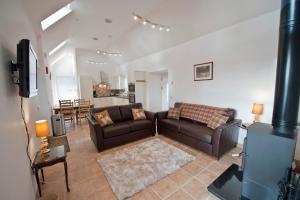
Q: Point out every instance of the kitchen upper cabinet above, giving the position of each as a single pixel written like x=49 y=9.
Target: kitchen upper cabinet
x=118 y=82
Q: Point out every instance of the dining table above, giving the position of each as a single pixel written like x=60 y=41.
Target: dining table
x=56 y=110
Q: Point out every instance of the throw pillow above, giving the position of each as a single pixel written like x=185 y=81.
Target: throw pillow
x=217 y=120
x=138 y=114
x=174 y=113
x=103 y=118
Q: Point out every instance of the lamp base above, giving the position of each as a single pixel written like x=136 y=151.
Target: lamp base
x=44 y=147
x=256 y=118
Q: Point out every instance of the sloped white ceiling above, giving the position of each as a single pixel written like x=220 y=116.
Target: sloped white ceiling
x=188 y=19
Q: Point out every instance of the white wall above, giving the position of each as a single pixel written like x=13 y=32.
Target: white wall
x=16 y=179
x=244 y=57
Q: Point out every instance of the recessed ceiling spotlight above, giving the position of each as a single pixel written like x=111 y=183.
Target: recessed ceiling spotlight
x=98 y=52
x=153 y=25
x=107 y=20
x=104 y=53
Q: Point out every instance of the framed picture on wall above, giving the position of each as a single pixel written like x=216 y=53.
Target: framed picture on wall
x=203 y=71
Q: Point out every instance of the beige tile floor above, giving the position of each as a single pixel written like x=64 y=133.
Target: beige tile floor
x=88 y=182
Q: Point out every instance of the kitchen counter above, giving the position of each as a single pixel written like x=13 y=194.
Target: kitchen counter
x=105 y=101
x=124 y=97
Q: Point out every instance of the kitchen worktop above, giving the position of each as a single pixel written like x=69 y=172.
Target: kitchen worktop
x=123 y=97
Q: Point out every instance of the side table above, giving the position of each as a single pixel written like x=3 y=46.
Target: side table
x=56 y=155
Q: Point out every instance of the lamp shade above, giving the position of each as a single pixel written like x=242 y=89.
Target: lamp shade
x=257 y=109
x=41 y=128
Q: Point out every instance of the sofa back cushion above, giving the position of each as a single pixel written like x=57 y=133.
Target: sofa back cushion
x=203 y=113
x=113 y=111
x=126 y=110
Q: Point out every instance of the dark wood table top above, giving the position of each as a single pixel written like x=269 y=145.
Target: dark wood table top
x=55 y=155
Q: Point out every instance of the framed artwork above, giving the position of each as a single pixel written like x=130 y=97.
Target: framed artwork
x=203 y=71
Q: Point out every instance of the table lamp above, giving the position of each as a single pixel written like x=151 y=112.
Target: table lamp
x=257 y=110
x=42 y=131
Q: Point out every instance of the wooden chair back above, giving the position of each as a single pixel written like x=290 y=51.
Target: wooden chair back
x=66 y=108
x=84 y=107
x=77 y=101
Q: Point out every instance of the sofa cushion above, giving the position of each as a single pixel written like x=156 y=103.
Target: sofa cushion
x=201 y=113
x=172 y=124
x=116 y=129
x=126 y=111
x=138 y=113
x=196 y=130
x=113 y=111
x=103 y=118
x=217 y=120
x=136 y=125
x=174 y=113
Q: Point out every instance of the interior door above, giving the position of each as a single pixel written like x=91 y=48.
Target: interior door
x=140 y=92
x=86 y=89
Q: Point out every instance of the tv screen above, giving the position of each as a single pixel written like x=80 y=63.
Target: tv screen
x=27 y=64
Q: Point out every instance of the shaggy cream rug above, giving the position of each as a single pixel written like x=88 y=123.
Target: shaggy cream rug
x=132 y=169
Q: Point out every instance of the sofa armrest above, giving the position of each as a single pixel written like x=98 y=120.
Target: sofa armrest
x=96 y=132
x=152 y=117
x=162 y=115
x=225 y=137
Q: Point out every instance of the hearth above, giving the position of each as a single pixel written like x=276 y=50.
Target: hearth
x=268 y=154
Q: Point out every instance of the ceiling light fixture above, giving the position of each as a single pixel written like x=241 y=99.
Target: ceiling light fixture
x=153 y=25
x=56 y=16
x=108 y=53
x=57 y=47
x=96 y=62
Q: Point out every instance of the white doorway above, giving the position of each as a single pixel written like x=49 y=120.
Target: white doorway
x=158 y=91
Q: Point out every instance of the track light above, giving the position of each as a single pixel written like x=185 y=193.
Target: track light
x=109 y=53
x=153 y=25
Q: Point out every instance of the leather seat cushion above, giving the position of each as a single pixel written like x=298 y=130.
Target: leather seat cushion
x=116 y=130
x=139 y=125
x=172 y=124
x=196 y=130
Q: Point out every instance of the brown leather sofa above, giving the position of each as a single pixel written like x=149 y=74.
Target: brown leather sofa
x=195 y=134
x=124 y=129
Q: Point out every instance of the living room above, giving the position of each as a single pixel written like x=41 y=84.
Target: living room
x=172 y=89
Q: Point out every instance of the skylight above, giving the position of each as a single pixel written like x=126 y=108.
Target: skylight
x=56 y=16
x=57 y=47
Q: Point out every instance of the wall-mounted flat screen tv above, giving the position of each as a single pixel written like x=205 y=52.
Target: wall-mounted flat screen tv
x=27 y=64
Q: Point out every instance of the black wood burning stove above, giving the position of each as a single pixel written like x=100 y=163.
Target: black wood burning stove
x=269 y=149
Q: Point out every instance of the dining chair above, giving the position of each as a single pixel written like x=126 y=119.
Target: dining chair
x=83 y=110
x=77 y=101
x=67 y=109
